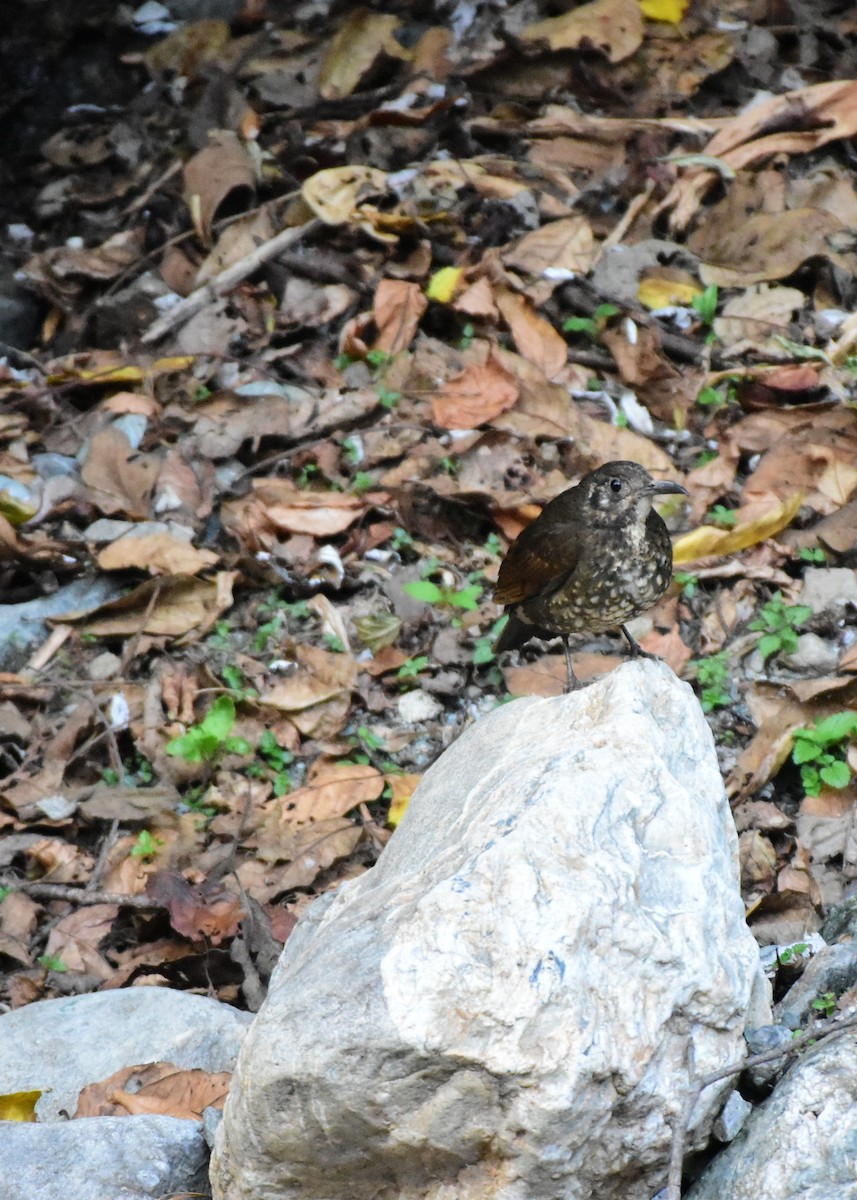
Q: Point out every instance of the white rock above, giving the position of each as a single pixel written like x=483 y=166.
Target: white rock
x=508 y=1003
x=59 y=1046
x=799 y=1145
x=103 y=1158
x=416 y=707
x=826 y=589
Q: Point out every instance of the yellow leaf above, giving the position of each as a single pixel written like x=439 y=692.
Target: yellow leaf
x=19 y=1106
x=661 y=292
x=707 y=540
x=402 y=787
x=444 y=283
x=664 y=10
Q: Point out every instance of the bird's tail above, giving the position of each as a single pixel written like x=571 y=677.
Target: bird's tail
x=515 y=633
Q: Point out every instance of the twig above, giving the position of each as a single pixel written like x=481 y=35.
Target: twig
x=76 y=895
x=821 y=1032
x=226 y=280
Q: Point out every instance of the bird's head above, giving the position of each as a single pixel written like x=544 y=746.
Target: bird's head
x=623 y=491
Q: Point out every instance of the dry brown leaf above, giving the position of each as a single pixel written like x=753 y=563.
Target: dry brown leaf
x=332 y=790
x=161 y=1088
x=398 y=309
x=221 y=170
x=322 y=675
x=478 y=394
x=567 y=244
x=335 y=193
x=119 y=479
x=754 y=318
x=364 y=39
x=165 y=607
x=158 y=553
x=235 y=242
x=75 y=939
x=615 y=27
x=212 y=913
x=305 y=850
x=276 y=505
x=768 y=246
x=536 y=338
x=758 y=861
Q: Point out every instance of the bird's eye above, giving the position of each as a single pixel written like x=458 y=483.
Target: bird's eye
x=616 y=485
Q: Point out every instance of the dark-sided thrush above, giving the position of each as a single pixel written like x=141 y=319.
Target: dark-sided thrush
x=595 y=557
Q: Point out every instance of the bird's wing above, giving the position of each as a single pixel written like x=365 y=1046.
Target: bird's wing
x=540 y=560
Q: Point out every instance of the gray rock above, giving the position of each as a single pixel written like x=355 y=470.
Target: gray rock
x=23 y=625
x=814 y=654
x=732 y=1118
x=104 y=1158
x=508 y=1003
x=833 y=969
x=828 y=589
x=801 y=1143
x=760 y=1041
x=60 y=1046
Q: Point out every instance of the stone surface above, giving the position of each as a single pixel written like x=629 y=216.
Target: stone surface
x=59 y=1046
x=506 y=1005
x=104 y=1158
x=832 y=969
x=801 y=1144
x=828 y=589
x=732 y=1118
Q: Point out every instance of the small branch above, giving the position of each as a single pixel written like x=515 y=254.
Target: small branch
x=226 y=281
x=820 y=1033
x=76 y=895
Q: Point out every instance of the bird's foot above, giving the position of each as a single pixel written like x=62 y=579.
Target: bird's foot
x=636 y=650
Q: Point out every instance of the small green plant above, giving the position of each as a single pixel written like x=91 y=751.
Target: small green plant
x=136 y=772
x=334 y=641
x=704 y=304
x=592 y=326
x=386 y=398
x=819 y=752
x=401 y=540
x=493 y=545
x=825 y=1004
x=411 y=667
x=812 y=554
x=233 y=677
x=720 y=515
x=483 y=649
x=468 y=333
x=146 y=846
x=210 y=738
x=711 y=397
x=307 y=473
x=277 y=760
x=704 y=457
x=221 y=635
x=713 y=676
x=343 y=361
x=790 y=953
x=4 y=892
x=51 y=962
x=620 y=420
x=688 y=582
x=449 y=465
x=778 y=623
x=466 y=598
x=362 y=482
x=353 y=451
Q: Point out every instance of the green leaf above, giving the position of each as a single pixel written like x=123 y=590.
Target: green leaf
x=220 y=718
x=425 y=590
x=467 y=598
x=798 y=613
x=811 y=781
x=835 y=728
x=579 y=325
x=769 y=644
x=837 y=775
x=805 y=749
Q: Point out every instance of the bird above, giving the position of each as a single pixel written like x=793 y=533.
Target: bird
x=596 y=556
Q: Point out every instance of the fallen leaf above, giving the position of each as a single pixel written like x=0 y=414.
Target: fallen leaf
x=615 y=27
x=158 y=553
x=19 y=1106
x=474 y=397
x=335 y=193
x=222 y=170
x=566 y=244
x=160 y=1088
x=708 y=539
x=536 y=338
x=212 y=913
x=402 y=788
x=361 y=41
x=118 y=478
x=170 y=606
x=398 y=309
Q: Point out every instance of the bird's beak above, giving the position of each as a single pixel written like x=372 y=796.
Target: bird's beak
x=665 y=487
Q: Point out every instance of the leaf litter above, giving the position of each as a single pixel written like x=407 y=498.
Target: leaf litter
x=328 y=307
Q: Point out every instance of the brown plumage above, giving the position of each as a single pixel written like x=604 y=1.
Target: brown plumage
x=595 y=557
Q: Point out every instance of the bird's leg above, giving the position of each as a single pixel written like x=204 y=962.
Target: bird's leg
x=573 y=682
x=635 y=648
